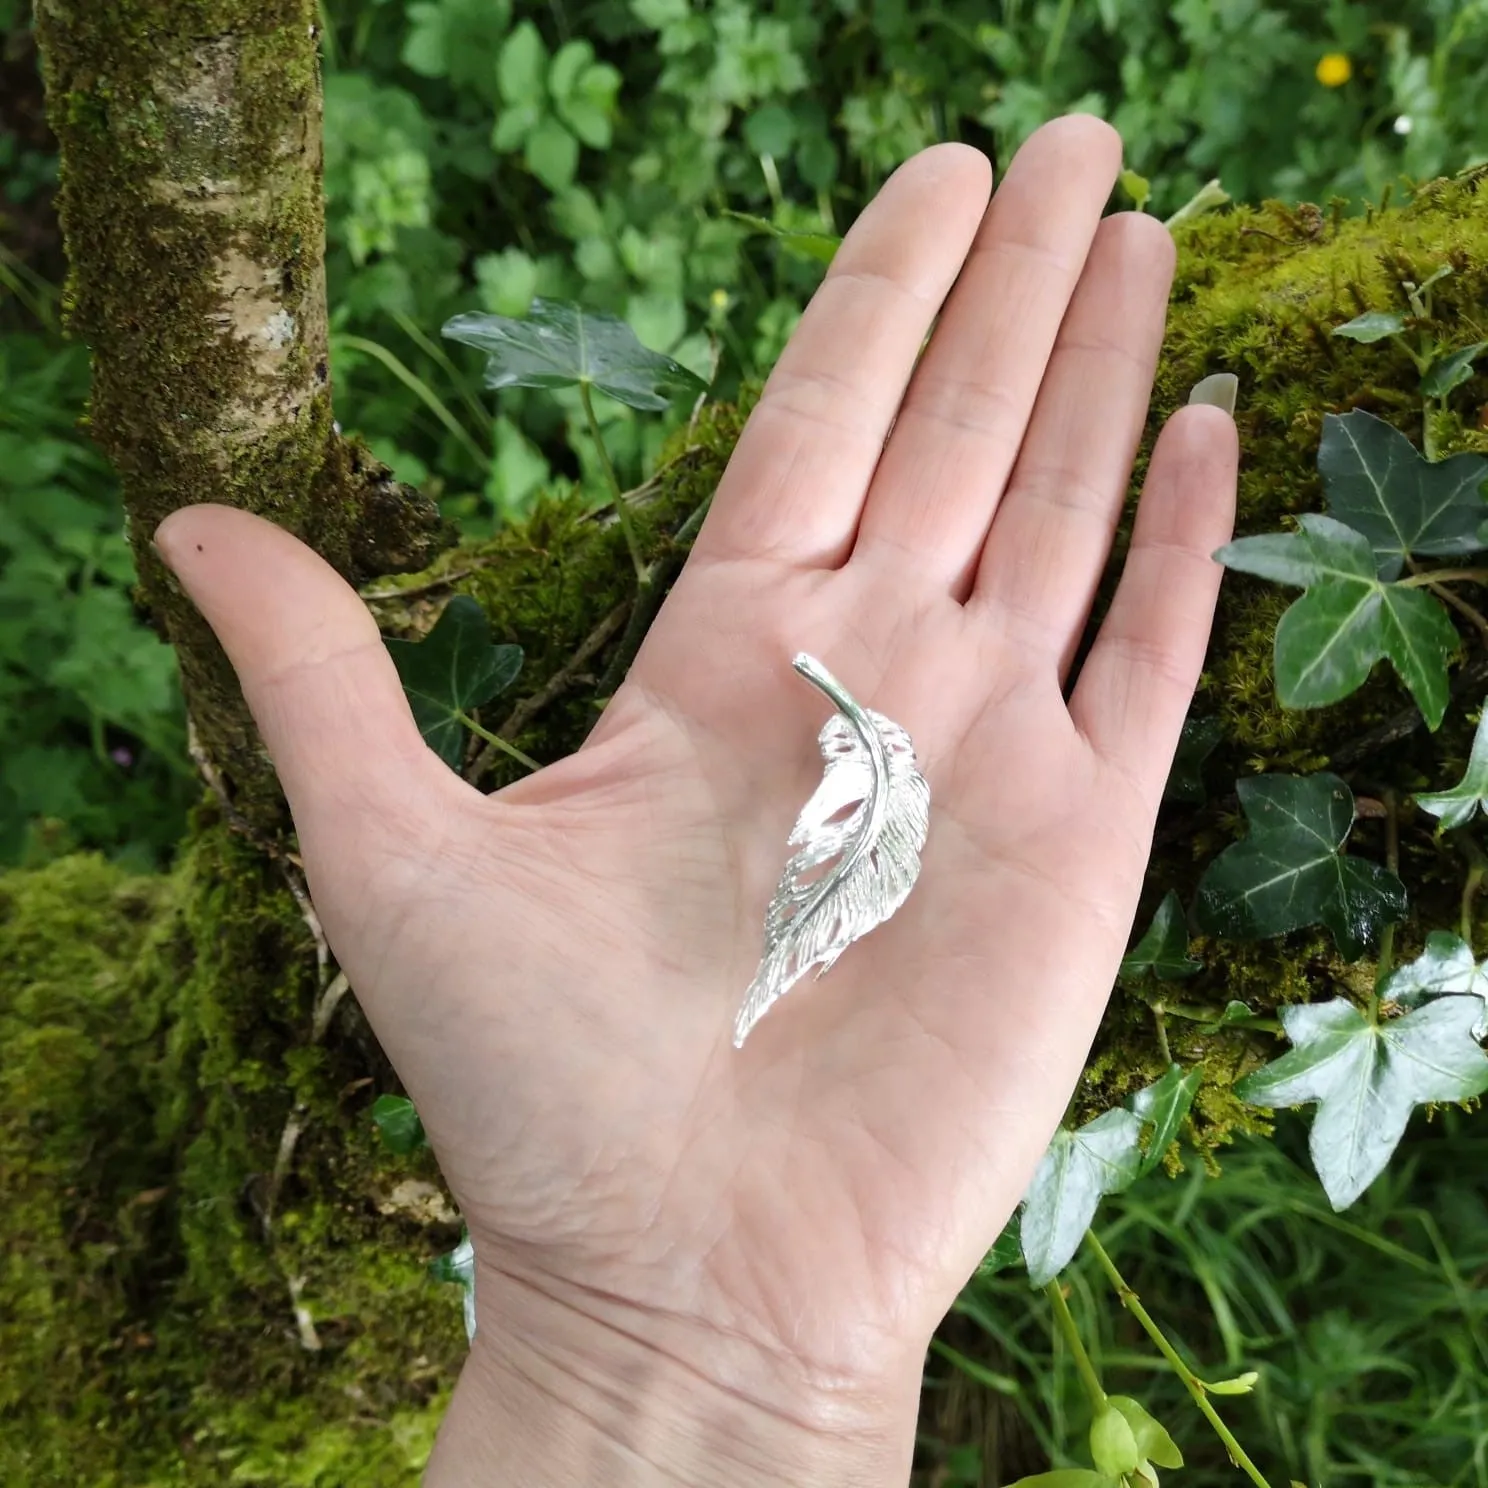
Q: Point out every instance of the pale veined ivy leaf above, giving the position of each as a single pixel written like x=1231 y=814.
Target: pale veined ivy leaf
x=1163 y=1106
x=562 y=345
x=1162 y=951
x=458 y=1268
x=1446 y=968
x=1328 y=641
x=454 y=670
x=1451 y=371
x=1289 y=872
x=1103 y=1156
x=1373 y=325
x=1367 y=1078
x=399 y=1123
x=1196 y=743
x=1458 y=806
x=1379 y=484
x=1154 y=1445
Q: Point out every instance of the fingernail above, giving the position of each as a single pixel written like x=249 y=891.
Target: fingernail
x=1218 y=390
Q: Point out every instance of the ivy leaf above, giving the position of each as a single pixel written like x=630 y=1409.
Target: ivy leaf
x=1153 y=1442
x=1458 y=806
x=1138 y=188
x=1007 y=1250
x=1367 y=1078
x=562 y=345
x=1289 y=871
x=1102 y=1157
x=454 y=670
x=1197 y=742
x=1163 y=948
x=1329 y=640
x=1372 y=325
x=402 y=1130
x=1234 y=1012
x=1163 y=1105
x=1379 y=484
x=1451 y=371
x=1446 y=968
x=458 y=1267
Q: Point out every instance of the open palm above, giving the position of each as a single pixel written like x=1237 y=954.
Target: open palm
x=555 y=970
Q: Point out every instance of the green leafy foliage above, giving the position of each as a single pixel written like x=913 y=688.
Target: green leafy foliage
x=1379 y=484
x=559 y=346
x=1113 y=1444
x=1446 y=968
x=1162 y=952
x=1291 y=871
x=1451 y=370
x=453 y=671
x=1366 y=1078
x=399 y=1124
x=457 y=1268
x=1458 y=806
x=1069 y=1477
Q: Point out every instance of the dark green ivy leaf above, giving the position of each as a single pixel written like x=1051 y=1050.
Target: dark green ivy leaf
x=1007 y=1250
x=399 y=1123
x=1458 y=806
x=452 y=671
x=1446 y=968
x=1329 y=640
x=1102 y=1157
x=1367 y=1078
x=562 y=345
x=1163 y=949
x=1450 y=371
x=1197 y=742
x=1162 y=1106
x=1373 y=325
x=1289 y=871
x=1380 y=484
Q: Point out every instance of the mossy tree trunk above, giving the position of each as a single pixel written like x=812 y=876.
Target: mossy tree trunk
x=194 y=218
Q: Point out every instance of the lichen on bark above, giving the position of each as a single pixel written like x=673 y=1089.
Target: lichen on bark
x=193 y=212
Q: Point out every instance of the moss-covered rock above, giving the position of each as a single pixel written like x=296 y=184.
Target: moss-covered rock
x=175 y=1313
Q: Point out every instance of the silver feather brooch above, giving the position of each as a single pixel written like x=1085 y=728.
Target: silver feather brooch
x=872 y=776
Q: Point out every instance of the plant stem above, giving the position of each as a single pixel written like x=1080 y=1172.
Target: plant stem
x=1191 y=1382
x=1162 y=1032
x=497 y=742
x=622 y=511
x=1428 y=577
x=1477 y=866
x=1387 y=937
x=1463 y=608
x=1066 y=1321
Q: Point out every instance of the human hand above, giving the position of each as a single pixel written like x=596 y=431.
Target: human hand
x=698 y=1264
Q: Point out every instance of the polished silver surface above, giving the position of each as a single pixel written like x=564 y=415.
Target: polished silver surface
x=874 y=850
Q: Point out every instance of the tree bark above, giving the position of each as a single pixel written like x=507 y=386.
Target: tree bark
x=194 y=218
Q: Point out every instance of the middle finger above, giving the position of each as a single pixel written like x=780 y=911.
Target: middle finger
x=963 y=417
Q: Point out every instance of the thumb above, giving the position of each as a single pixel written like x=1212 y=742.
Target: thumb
x=314 y=672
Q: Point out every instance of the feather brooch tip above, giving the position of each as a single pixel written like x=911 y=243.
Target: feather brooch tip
x=868 y=819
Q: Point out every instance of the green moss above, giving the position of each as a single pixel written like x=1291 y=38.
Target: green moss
x=147 y=1334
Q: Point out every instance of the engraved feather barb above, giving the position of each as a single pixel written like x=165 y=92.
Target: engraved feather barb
x=874 y=848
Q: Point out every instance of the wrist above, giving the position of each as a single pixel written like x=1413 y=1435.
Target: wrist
x=548 y=1398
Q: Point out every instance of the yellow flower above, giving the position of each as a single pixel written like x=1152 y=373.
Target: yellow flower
x=1334 y=69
